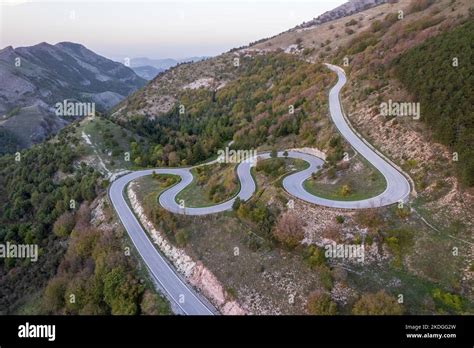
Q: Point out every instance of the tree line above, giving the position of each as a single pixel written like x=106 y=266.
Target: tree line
x=439 y=74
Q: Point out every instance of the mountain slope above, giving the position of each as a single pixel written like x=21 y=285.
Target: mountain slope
x=448 y=98
x=147 y=72
x=31 y=125
x=346 y=9
x=252 y=110
x=369 y=41
x=247 y=103
x=35 y=78
x=161 y=94
x=51 y=73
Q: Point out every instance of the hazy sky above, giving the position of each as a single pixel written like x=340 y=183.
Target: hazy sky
x=154 y=29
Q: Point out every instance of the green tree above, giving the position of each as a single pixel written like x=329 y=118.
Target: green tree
x=442 y=83
x=314 y=256
x=273 y=153
x=236 y=204
x=64 y=224
x=120 y=293
x=446 y=301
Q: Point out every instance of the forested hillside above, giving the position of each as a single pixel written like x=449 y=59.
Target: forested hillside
x=252 y=110
x=439 y=74
x=31 y=199
x=8 y=142
x=45 y=197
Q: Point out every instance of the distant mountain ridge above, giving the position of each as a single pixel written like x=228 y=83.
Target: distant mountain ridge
x=49 y=73
x=37 y=77
x=147 y=72
x=163 y=64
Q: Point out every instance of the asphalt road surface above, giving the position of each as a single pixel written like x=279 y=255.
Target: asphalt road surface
x=398 y=188
x=181 y=293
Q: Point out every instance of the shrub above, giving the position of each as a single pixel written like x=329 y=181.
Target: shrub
x=368 y=218
x=152 y=304
x=325 y=276
x=314 y=256
x=379 y=303
x=361 y=42
x=345 y=190
x=273 y=153
x=403 y=213
x=447 y=301
x=181 y=237
x=289 y=230
x=419 y=5
x=351 y=23
x=390 y=19
x=398 y=241
x=236 y=204
x=376 y=26
x=423 y=23
x=319 y=303
x=120 y=292
x=53 y=298
x=349 y=31
x=272 y=167
x=331 y=173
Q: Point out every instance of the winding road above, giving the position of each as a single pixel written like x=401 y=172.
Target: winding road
x=398 y=189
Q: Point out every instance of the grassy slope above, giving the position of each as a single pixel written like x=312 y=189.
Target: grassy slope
x=216 y=177
x=109 y=141
x=364 y=183
x=149 y=187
